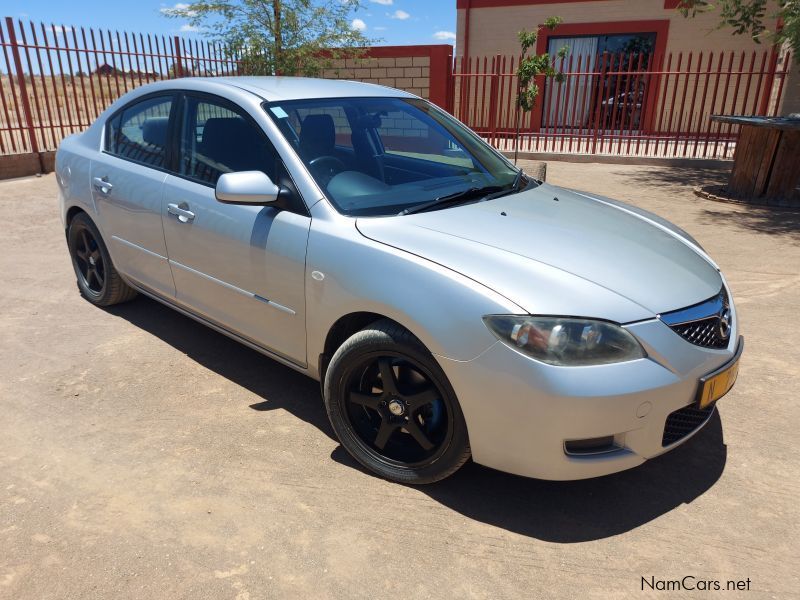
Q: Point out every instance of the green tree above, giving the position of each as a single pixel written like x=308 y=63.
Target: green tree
x=532 y=67
x=750 y=17
x=278 y=37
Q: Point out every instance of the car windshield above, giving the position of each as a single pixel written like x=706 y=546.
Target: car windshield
x=381 y=156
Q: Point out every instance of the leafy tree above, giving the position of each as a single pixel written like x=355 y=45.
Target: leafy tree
x=748 y=17
x=278 y=37
x=532 y=67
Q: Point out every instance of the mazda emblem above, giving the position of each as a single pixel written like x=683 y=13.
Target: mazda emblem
x=724 y=322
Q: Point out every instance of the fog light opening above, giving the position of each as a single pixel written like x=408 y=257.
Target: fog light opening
x=589 y=446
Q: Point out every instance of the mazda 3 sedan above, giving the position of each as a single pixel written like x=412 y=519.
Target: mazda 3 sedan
x=450 y=305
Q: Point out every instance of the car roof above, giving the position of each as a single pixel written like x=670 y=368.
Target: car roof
x=298 y=88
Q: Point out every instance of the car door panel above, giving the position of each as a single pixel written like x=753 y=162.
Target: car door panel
x=127 y=180
x=240 y=266
x=130 y=215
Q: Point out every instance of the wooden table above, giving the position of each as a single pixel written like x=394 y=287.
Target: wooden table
x=766 y=164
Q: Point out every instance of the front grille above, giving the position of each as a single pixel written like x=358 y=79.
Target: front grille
x=702 y=324
x=684 y=421
x=702 y=333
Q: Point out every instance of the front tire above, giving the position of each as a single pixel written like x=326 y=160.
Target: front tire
x=392 y=407
x=98 y=280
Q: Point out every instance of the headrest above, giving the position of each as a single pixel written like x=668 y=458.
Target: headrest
x=226 y=128
x=317 y=136
x=232 y=142
x=154 y=131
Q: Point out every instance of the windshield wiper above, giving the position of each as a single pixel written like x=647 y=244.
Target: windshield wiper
x=453 y=199
x=513 y=189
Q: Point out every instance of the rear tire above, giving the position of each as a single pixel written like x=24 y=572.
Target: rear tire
x=98 y=280
x=393 y=409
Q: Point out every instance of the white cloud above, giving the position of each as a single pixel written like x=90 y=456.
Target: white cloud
x=384 y=2
x=188 y=28
x=400 y=14
x=358 y=25
x=444 y=35
x=180 y=6
x=60 y=29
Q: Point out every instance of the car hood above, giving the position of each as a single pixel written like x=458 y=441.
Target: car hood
x=555 y=251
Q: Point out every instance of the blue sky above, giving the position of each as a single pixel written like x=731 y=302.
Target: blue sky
x=395 y=21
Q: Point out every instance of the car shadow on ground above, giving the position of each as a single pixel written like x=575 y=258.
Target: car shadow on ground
x=562 y=512
x=579 y=511
x=279 y=386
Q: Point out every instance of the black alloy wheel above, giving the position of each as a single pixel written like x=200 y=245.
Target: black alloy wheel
x=89 y=261
x=98 y=279
x=396 y=409
x=392 y=407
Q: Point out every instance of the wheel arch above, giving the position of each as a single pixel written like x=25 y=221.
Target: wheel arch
x=342 y=329
x=72 y=212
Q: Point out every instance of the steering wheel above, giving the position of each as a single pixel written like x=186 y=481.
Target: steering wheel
x=325 y=167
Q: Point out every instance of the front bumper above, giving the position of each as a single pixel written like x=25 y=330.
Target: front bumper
x=521 y=412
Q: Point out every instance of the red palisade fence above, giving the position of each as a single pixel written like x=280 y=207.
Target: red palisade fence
x=622 y=104
x=55 y=80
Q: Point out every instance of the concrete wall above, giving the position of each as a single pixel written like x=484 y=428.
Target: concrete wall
x=421 y=70
x=412 y=74
x=22 y=165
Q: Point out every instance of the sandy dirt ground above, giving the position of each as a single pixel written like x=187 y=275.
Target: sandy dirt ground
x=145 y=456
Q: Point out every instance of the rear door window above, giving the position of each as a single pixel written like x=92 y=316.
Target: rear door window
x=139 y=132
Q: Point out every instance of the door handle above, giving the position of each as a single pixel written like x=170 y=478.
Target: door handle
x=102 y=184
x=180 y=211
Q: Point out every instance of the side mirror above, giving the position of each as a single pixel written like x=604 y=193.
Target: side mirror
x=246 y=187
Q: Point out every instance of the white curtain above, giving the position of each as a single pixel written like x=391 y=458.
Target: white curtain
x=582 y=50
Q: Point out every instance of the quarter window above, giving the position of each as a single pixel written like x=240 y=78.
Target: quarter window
x=139 y=132
x=219 y=139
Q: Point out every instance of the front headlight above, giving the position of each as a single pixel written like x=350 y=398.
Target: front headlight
x=565 y=341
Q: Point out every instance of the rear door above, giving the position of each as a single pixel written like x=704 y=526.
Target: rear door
x=127 y=180
x=241 y=267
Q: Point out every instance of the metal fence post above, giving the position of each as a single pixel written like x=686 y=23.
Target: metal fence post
x=494 y=86
x=26 y=106
x=178 y=70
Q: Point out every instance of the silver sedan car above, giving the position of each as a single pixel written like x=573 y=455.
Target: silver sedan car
x=450 y=305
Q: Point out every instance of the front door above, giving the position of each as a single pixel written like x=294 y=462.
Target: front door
x=241 y=267
x=127 y=189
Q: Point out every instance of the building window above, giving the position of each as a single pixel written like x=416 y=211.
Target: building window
x=612 y=95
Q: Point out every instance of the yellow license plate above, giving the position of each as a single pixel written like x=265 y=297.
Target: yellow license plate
x=715 y=385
